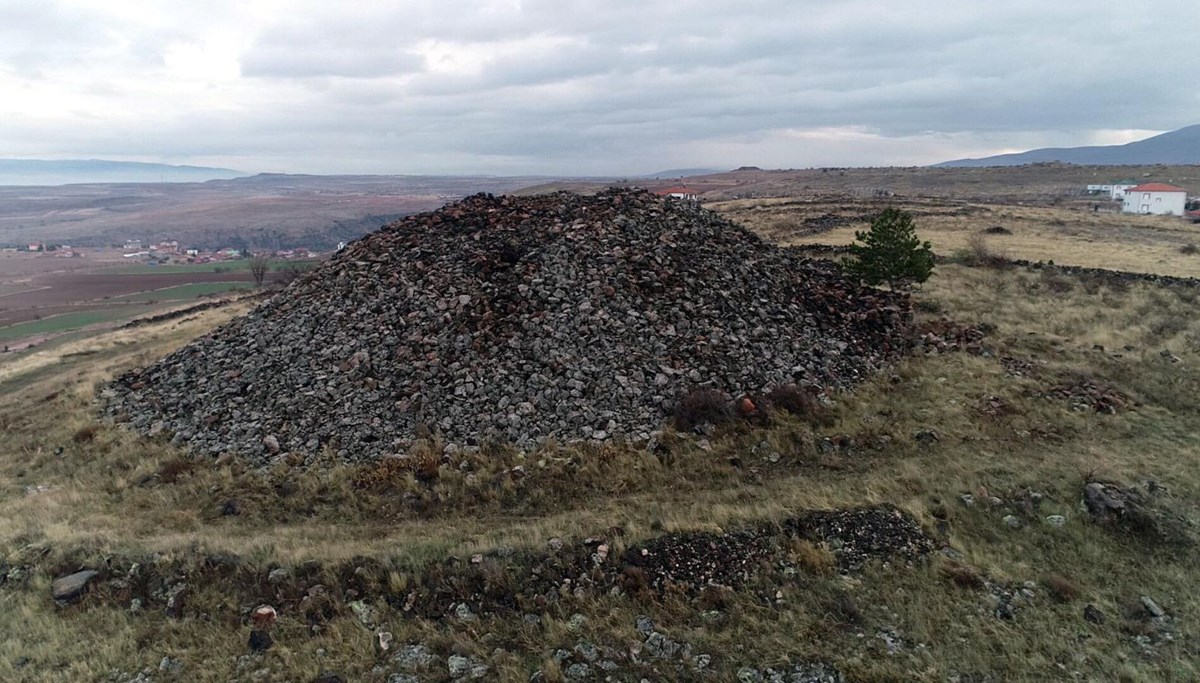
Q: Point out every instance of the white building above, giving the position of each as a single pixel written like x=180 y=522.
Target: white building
x=1115 y=190
x=1155 y=198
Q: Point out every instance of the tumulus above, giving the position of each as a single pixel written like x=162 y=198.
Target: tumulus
x=515 y=319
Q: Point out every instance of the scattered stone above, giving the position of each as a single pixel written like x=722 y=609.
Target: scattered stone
x=413 y=657
x=1012 y=522
x=967 y=499
x=260 y=641
x=367 y=615
x=1056 y=520
x=382 y=642
x=263 y=616
x=1152 y=608
x=73 y=586
x=466 y=667
x=576 y=622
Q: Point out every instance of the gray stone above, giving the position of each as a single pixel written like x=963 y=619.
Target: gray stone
x=72 y=586
x=1152 y=608
x=1056 y=520
x=413 y=657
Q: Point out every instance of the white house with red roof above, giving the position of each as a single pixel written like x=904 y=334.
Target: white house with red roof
x=1155 y=198
x=677 y=192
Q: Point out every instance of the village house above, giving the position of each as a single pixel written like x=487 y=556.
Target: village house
x=1158 y=199
x=1115 y=191
x=677 y=192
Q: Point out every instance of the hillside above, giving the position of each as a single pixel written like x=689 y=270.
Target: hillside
x=1012 y=500
x=1175 y=147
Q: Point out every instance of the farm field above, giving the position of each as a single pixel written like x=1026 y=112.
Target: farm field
x=43 y=296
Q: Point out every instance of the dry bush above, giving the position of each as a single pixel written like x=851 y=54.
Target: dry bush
x=86 y=434
x=1056 y=282
x=980 y=253
x=842 y=608
x=963 y=576
x=801 y=403
x=175 y=469
x=702 y=406
x=1189 y=249
x=388 y=474
x=1061 y=588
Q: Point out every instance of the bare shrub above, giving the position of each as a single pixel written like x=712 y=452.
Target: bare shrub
x=1061 y=588
x=259 y=264
x=176 y=469
x=962 y=575
x=980 y=253
x=702 y=406
x=801 y=403
x=86 y=434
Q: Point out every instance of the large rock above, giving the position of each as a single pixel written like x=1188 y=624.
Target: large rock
x=516 y=320
x=73 y=586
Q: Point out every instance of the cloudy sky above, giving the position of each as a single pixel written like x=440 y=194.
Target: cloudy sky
x=585 y=86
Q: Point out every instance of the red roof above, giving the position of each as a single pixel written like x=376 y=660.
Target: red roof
x=1156 y=187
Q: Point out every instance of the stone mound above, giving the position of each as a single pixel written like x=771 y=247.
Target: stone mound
x=515 y=319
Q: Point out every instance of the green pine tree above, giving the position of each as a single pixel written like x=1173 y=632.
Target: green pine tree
x=890 y=252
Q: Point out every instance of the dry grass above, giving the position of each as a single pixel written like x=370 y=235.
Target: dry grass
x=70 y=499
x=1074 y=236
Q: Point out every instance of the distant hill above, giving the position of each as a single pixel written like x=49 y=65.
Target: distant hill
x=71 y=171
x=681 y=172
x=1179 y=147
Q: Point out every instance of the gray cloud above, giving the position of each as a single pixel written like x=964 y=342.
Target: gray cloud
x=565 y=86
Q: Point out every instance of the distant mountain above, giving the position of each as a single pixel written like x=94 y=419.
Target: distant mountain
x=1176 y=147
x=682 y=172
x=71 y=171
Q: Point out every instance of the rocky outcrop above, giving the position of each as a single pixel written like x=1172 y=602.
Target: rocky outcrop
x=515 y=320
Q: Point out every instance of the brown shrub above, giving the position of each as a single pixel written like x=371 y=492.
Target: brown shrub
x=389 y=473
x=962 y=575
x=1061 y=588
x=803 y=404
x=842 y=608
x=86 y=434
x=702 y=406
x=176 y=469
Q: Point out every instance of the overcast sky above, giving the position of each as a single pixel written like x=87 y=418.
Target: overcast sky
x=586 y=87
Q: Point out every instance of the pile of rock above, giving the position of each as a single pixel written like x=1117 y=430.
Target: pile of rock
x=517 y=320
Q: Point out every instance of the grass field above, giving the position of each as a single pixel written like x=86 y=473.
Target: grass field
x=67 y=321
x=1003 y=597
x=183 y=292
x=234 y=266
x=1075 y=236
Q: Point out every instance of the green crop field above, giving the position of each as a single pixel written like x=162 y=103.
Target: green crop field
x=235 y=266
x=67 y=321
x=183 y=292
